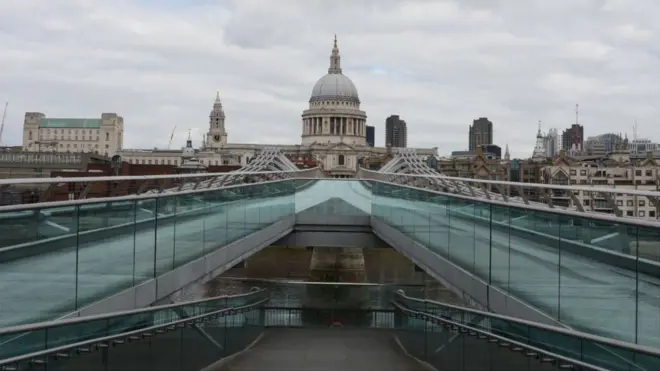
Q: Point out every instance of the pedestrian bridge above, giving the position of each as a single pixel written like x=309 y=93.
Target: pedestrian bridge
x=594 y=272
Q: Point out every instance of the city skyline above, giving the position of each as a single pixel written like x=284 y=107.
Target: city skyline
x=161 y=66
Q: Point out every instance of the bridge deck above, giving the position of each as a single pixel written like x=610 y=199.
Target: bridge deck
x=590 y=295
x=324 y=349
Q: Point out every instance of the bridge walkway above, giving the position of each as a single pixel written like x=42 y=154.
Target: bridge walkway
x=582 y=292
x=324 y=349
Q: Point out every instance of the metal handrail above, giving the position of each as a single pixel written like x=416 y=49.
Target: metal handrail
x=528 y=185
x=137 y=177
x=573 y=333
x=435 y=319
x=141 y=333
x=72 y=321
x=427 y=176
x=591 y=215
x=576 y=214
x=134 y=197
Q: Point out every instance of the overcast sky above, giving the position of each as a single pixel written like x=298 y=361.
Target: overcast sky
x=439 y=64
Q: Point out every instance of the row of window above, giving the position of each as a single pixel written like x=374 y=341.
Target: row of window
x=173 y=162
x=641 y=213
x=53 y=136
x=605 y=182
x=337 y=104
x=75 y=131
x=638 y=172
x=71 y=145
x=630 y=203
x=603 y=205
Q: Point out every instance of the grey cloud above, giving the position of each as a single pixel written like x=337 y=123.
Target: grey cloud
x=447 y=63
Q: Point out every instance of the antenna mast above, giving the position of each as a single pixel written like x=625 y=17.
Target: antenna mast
x=2 y=125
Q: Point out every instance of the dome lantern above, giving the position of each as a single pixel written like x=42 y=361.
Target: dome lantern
x=335 y=86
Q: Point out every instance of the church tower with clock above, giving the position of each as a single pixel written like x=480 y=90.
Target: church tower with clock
x=217 y=135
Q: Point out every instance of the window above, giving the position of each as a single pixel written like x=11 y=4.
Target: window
x=638 y=172
x=629 y=213
x=573 y=172
x=642 y=202
x=641 y=213
x=652 y=213
x=619 y=203
x=583 y=172
x=341 y=160
x=629 y=203
x=649 y=173
x=107 y=136
x=30 y=135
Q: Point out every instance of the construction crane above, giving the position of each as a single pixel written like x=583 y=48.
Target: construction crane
x=2 y=125
x=169 y=144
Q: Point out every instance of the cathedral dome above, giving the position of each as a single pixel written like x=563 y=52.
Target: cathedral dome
x=335 y=86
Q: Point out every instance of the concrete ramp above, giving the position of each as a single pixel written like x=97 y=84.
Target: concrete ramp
x=326 y=349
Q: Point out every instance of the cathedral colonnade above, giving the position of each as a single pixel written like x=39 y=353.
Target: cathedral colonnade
x=334 y=125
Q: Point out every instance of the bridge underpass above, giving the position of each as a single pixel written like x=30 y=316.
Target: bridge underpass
x=433 y=233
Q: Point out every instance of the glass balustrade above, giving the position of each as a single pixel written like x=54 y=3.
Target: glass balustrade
x=594 y=275
x=43 y=336
x=62 y=258
x=593 y=350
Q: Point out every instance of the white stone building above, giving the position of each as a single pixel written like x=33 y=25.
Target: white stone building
x=333 y=132
x=102 y=135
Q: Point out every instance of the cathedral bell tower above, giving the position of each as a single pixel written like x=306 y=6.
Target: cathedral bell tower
x=217 y=135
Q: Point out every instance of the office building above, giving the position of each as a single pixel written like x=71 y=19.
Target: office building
x=481 y=133
x=102 y=135
x=371 y=136
x=396 y=132
x=572 y=139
